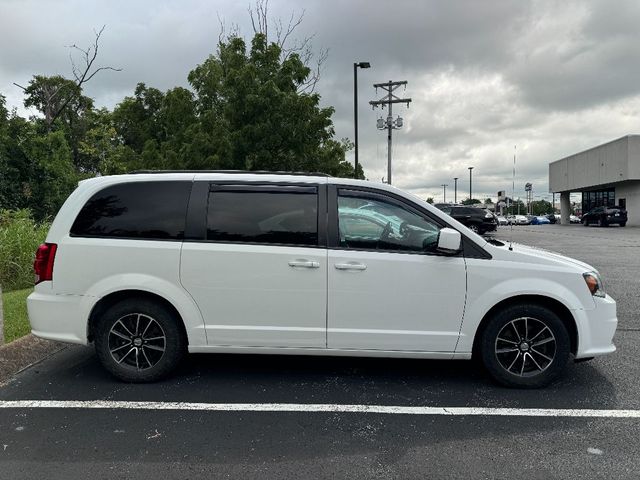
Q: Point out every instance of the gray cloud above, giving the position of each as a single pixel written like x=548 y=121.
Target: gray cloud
x=552 y=77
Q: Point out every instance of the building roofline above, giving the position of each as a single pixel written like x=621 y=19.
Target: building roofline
x=597 y=146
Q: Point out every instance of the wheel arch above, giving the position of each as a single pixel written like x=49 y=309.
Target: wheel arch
x=552 y=304
x=111 y=299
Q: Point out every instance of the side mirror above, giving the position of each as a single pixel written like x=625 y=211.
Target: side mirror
x=449 y=241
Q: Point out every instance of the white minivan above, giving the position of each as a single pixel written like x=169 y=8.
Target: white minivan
x=149 y=266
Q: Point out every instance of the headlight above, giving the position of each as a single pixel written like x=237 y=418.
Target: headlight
x=488 y=215
x=594 y=284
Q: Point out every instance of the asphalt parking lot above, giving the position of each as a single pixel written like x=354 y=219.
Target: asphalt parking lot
x=125 y=440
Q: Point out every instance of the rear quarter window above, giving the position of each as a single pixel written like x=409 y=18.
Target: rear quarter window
x=138 y=210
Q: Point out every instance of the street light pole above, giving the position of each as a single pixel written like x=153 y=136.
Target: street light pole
x=355 y=108
x=470 y=183
x=455 y=190
x=444 y=193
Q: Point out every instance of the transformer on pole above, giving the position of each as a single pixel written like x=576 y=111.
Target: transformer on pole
x=389 y=123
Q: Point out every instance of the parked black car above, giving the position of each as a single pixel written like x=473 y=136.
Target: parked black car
x=551 y=217
x=477 y=219
x=605 y=216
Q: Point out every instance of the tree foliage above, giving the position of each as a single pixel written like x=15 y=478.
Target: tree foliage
x=541 y=207
x=249 y=108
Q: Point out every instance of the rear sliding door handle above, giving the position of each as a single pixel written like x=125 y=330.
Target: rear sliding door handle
x=350 y=266
x=304 y=264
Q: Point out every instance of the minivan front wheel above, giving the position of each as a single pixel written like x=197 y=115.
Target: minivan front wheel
x=525 y=346
x=138 y=340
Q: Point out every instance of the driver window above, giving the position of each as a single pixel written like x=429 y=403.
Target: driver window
x=373 y=224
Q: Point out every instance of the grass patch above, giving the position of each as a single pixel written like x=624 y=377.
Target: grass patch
x=20 y=236
x=16 y=321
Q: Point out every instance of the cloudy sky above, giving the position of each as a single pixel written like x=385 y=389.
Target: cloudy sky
x=550 y=77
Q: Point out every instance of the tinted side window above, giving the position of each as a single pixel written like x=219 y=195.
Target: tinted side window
x=149 y=210
x=374 y=224
x=271 y=217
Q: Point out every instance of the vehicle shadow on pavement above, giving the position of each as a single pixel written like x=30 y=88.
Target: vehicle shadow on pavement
x=75 y=374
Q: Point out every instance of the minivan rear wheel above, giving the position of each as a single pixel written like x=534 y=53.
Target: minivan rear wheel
x=525 y=346
x=138 y=340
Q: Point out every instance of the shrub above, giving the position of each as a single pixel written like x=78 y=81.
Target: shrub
x=20 y=236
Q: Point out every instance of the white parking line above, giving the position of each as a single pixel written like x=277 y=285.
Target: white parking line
x=322 y=408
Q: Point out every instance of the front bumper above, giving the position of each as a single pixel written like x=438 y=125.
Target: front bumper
x=62 y=318
x=596 y=328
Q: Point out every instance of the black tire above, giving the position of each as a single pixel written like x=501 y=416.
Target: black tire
x=534 y=373
x=602 y=223
x=585 y=222
x=148 y=355
x=623 y=224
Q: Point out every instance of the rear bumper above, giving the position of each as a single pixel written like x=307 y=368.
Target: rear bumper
x=596 y=328
x=489 y=227
x=58 y=317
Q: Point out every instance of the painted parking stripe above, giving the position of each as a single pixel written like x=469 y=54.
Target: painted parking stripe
x=321 y=408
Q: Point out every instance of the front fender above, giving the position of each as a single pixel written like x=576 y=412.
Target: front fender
x=481 y=300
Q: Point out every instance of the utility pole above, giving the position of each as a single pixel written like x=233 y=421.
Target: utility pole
x=470 y=190
x=444 y=193
x=390 y=124
x=455 y=190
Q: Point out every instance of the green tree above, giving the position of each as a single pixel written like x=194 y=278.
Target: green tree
x=51 y=96
x=471 y=201
x=54 y=175
x=516 y=207
x=157 y=130
x=251 y=107
x=63 y=107
x=541 y=207
x=18 y=172
x=4 y=140
x=430 y=200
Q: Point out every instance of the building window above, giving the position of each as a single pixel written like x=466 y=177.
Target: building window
x=598 y=198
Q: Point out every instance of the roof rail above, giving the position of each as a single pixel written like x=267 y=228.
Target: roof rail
x=256 y=172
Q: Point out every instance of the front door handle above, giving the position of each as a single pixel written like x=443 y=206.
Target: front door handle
x=304 y=264
x=350 y=266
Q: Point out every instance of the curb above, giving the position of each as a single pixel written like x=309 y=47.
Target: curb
x=23 y=353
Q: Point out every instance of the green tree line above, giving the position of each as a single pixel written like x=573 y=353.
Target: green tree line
x=246 y=109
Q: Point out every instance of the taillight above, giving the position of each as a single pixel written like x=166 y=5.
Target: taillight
x=43 y=264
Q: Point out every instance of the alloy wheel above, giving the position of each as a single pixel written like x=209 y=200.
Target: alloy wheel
x=137 y=340
x=525 y=347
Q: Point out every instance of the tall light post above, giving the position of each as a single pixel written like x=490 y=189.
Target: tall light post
x=455 y=190
x=470 y=183
x=355 y=108
x=444 y=193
